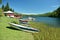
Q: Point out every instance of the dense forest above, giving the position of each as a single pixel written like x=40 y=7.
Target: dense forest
x=55 y=13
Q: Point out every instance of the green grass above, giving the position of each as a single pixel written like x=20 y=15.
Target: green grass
x=46 y=32
x=10 y=34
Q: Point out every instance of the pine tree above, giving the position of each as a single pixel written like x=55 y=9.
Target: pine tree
x=2 y=7
x=6 y=7
x=11 y=9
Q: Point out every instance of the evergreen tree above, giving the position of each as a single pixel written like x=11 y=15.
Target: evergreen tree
x=6 y=7
x=2 y=7
x=10 y=9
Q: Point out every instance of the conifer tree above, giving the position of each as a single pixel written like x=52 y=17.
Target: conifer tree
x=6 y=7
x=2 y=7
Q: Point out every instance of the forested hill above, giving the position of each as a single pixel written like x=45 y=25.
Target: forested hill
x=55 y=13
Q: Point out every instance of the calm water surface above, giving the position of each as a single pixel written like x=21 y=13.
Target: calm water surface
x=48 y=20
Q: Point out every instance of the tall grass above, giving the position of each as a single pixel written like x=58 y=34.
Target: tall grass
x=46 y=32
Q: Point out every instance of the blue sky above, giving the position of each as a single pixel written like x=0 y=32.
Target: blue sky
x=33 y=6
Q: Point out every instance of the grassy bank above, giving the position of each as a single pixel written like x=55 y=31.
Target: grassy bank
x=7 y=33
x=46 y=32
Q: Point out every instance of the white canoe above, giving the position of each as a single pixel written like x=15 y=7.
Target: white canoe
x=24 y=27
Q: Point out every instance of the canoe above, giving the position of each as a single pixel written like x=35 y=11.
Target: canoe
x=25 y=28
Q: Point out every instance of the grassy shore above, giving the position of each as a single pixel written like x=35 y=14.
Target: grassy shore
x=46 y=32
x=11 y=34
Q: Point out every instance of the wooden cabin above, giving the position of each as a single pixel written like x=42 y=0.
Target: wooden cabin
x=9 y=14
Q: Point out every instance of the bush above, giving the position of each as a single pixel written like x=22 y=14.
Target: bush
x=15 y=22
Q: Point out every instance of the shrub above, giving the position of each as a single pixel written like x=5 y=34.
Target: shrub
x=15 y=22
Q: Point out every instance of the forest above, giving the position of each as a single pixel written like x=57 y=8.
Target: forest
x=55 y=13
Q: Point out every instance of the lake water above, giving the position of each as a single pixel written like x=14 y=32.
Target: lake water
x=48 y=20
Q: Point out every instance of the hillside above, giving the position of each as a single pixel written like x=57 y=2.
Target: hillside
x=55 y=13
x=7 y=33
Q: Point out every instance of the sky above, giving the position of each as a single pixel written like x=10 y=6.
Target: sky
x=32 y=6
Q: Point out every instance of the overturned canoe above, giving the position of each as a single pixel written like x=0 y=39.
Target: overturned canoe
x=24 y=27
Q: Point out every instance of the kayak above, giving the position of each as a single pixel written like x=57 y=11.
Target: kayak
x=25 y=28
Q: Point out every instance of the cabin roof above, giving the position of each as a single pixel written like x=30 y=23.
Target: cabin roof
x=8 y=12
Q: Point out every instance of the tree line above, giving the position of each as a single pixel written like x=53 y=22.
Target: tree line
x=55 y=13
x=7 y=8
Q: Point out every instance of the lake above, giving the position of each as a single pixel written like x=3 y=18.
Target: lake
x=47 y=20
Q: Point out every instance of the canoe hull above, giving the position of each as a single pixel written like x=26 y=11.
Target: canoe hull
x=24 y=28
